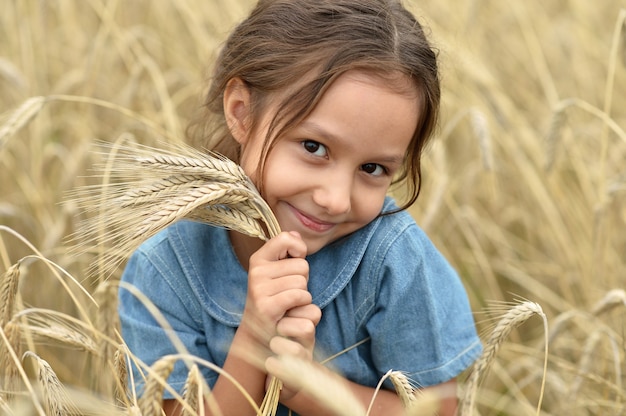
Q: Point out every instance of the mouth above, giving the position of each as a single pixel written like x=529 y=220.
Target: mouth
x=310 y=222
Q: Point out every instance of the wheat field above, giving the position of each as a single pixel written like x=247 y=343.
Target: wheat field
x=525 y=191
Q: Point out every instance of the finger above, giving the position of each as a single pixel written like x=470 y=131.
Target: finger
x=284 y=245
x=311 y=312
x=297 y=247
x=272 y=269
x=271 y=309
x=301 y=330
x=282 y=346
x=289 y=299
x=272 y=286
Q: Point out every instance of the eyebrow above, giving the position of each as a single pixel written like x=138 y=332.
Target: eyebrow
x=319 y=130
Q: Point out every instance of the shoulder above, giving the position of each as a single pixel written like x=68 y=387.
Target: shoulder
x=397 y=239
x=401 y=264
x=172 y=258
x=181 y=241
x=196 y=261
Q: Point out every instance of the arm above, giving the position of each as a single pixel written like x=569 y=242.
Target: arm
x=227 y=396
x=385 y=403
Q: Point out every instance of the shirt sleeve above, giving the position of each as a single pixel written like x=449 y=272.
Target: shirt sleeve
x=159 y=280
x=422 y=323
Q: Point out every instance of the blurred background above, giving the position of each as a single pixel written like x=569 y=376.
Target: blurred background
x=525 y=184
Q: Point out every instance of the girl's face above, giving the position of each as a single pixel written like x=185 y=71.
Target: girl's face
x=328 y=176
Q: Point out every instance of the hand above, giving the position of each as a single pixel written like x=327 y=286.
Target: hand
x=296 y=337
x=277 y=282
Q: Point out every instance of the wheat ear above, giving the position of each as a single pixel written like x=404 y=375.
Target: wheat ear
x=514 y=317
x=21 y=117
x=8 y=292
x=480 y=127
x=10 y=349
x=403 y=387
x=106 y=331
x=56 y=400
x=612 y=299
x=192 y=393
x=46 y=325
x=150 y=402
x=559 y=118
x=121 y=373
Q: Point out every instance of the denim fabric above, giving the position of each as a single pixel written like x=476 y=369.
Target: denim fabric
x=385 y=283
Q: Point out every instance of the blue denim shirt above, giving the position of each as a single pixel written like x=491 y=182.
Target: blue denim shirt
x=385 y=283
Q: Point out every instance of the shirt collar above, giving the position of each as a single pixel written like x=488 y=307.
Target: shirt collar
x=222 y=284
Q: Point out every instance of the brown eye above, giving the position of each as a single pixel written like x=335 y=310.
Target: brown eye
x=373 y=169
x=314 y=148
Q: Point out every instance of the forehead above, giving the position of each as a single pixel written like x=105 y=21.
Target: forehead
x=394 y=82
x=364 y=104
x=303 y=97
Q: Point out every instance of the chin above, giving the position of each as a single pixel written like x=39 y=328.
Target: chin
x=313 y=249
x=314 y=246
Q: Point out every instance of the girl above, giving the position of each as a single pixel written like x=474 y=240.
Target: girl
x=325 y=105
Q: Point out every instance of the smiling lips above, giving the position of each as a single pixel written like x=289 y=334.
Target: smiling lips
x=312 y=223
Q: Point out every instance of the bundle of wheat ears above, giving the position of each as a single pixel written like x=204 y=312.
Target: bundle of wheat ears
x=159 y=187
x=145 y=189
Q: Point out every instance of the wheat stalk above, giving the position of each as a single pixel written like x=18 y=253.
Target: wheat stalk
x=591 y=346
x=4 y=408
x=514 y=317
x=612 y=299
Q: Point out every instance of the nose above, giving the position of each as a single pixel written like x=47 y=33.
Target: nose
x=334 y=193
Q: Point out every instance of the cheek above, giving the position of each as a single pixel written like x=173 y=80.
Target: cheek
x=368 y=205
x=251 y=153
x=280 y=176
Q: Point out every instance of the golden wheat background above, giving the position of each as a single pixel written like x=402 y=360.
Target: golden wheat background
x=525 y=187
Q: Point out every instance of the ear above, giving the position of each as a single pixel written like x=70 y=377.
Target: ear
x=237 y=109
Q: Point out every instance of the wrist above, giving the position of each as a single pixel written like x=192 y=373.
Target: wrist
x=248 y=345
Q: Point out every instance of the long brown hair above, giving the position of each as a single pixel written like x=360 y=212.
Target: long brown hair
x=301 y=47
